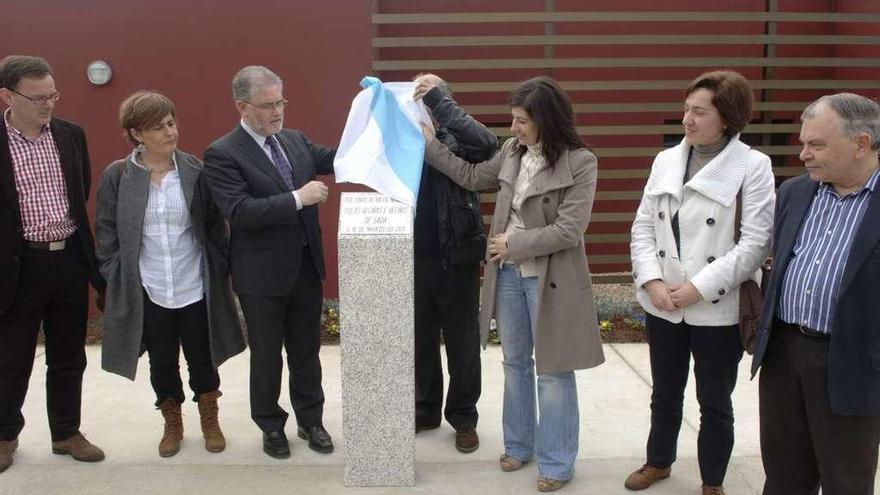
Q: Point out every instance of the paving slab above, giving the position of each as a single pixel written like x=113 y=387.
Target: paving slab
x=119 y=416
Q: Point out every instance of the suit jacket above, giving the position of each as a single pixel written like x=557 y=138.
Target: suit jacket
x=122 y=200
x=267 y=232
x=854 y=351
x=74 y=154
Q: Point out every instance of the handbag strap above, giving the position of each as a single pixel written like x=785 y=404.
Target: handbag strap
x=737 y=222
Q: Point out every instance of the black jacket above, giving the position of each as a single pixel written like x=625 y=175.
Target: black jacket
x=449 y=222
x=74 y=154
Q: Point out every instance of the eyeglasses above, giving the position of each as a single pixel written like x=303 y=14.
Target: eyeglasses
x=39 y=100
x=270 y=106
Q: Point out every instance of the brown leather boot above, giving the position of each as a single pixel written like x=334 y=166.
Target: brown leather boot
x=170 y=443
x=214 y=440
x=79 y=448
x=7 y=449
x=713 y=490
x=646 y=476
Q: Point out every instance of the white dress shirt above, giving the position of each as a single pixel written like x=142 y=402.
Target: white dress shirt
x=170 y=260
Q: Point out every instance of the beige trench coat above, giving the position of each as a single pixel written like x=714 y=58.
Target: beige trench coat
x=556 y=211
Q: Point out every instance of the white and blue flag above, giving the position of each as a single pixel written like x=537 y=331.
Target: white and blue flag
x=382 y=145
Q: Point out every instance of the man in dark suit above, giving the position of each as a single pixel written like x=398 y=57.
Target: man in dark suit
x=46 y=256
x=262 y=179
x=819 y=338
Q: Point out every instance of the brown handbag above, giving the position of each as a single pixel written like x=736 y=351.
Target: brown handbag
x=751 y=298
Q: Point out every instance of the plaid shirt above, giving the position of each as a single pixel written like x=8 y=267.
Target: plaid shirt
x=39 y=180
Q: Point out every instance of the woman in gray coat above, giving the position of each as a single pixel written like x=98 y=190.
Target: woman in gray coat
x=536 y=283
x=162 y=247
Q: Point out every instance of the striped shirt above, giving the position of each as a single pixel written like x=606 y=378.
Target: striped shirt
x=170 y=260
x=811 y=284
x=39 y=181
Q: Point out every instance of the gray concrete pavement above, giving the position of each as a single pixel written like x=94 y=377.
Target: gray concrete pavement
x=118 y=415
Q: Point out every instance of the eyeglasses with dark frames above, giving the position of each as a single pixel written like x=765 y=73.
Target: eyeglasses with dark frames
x=39 y=100
x=270 y=106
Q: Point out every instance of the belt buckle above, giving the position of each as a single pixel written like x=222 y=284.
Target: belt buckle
x=813 y=334
x=57 y=245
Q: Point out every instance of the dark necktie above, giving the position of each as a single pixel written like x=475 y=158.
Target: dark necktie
x=280 y=161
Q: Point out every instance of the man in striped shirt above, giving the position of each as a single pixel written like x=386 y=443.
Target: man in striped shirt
x=819 y=338
x=46 y=256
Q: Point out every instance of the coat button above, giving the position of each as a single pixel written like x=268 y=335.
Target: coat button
x=660 y=215
x=710 y=259
x=662 y=253
x=721 y=292
x=552 y=285
x=710 y=221
x=546 y=200
x=635 y=275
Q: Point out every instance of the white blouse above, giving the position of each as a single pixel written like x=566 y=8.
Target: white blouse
x=170 y=259
x=532 y=162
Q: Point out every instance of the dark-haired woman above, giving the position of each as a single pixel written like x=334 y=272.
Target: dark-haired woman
x=537 y=284
x=688 y=268
x=161 y=245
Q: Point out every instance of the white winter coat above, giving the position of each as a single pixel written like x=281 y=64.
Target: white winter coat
x=706 y=208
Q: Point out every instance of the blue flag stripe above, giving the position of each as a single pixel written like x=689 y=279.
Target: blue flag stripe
x=403 y=142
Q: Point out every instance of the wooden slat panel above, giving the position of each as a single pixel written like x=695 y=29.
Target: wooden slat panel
x=622 y=39
x=505 y=87
x=627 y=216
x=608 y=259
x=635 y=151
x=618 y=195
x=634 y=16
x=627 y=130
x=610 y=278
x=634 y=107
x=611 y=62
x=607 y=238
x=600 y=196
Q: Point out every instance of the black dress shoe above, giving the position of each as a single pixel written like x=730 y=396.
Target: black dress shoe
x=319 y=439
x=275 y=444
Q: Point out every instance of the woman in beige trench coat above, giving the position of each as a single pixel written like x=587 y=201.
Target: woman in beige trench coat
x=537 y=284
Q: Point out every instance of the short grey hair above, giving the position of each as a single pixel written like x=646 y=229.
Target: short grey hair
x=858 y=114
x=251 y=77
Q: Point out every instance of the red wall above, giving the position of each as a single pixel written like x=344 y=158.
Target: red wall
x=189 y=51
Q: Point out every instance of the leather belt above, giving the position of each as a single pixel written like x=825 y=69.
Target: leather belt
x=807 y=332
x=47 y=246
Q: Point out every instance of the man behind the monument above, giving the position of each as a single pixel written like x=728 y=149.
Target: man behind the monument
x=450 y=241
x=819 y=340
x=262 y=177
x=47 y=256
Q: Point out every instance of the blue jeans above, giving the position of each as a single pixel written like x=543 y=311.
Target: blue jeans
x=552 y=435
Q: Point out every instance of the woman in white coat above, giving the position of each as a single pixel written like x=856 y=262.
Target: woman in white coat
x=688 y=268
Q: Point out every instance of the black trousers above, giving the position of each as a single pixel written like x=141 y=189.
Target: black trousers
x=717 y=352
x=294 y=322
x=447 y=302
x=165 y=332
x=52 y=290
x=803 y=443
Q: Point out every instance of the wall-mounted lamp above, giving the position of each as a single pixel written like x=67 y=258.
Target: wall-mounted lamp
x=99 y=72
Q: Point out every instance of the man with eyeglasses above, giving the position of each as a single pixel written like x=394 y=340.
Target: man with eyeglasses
x=262 y=177
x=46 y=256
